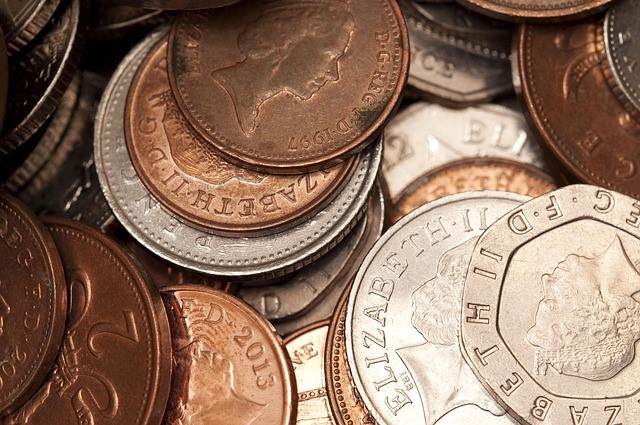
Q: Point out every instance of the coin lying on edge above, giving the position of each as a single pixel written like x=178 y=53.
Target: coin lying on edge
x=551 y=313
x=265 y=65
x=229 y=365
x=536 y=10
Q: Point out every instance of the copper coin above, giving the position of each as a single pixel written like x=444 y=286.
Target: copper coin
x=297 y=86
x=571 y=108
x=22 y=20
x=189 y=178
x=538 y=10
x=306 y=348
x=33 y=303
x=471 y=174
x=346 y=404
x=176 y=4
x=114 y=365
x=229 y=365
x=109 y=21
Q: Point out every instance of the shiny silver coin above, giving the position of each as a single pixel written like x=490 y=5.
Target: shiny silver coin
x=425 y=136
x=551 y=317
x=402 y=316
x=182 y=244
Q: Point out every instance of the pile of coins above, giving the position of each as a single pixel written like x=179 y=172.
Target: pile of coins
x=319 y=212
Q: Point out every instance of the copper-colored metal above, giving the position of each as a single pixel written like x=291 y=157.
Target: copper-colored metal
x=33 y=303
x=188 y=176
x=114 y=365
x=229 y=365
x=345 y=402
x=471 y=174
x=536 y=10
x=572 y=109
x=290 y=86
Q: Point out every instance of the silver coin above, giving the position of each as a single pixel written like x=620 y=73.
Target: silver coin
x=551 y=317
x=622 y=41
x=175 y=241
x=402 y=314
x=425 y=136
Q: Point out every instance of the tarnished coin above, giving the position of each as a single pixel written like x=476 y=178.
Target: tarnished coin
x=306 y=348
x=186 y=246
x=22 y=20
x=471 y=174
x=571 y=108
x=114 y=365
x=41 y=73
x=229 y=365
x=110 y=21
x=425 y=136
x=188 y=177
x=342 y=64
x=536 y=10
x=402 y=316
x=176 y=4
x=621 y=35
x=33 y=303
x=551 y=316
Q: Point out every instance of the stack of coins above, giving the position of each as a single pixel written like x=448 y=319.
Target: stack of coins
x=319 y=212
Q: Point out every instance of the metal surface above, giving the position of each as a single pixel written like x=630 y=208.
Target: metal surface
x=536 y=10
x=22 y=20
x=110 y=21
x=176 y=4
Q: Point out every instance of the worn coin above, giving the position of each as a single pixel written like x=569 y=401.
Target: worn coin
x=187 y=176
x=264 y=65
x=424 y=136
x=176 y=4
x=110 y=21
x=22 y=20
x=33 y=303
x=229 y=365
x=401 y=331
x=471 y=174
x=306 y=348
x=186 y=246
x=536 y=10
x=551 y=311
x=114 y=365
x=571 y=108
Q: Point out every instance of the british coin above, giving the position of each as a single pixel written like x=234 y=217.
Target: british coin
x=562 y=271
x=621 y=30
x=471 y=174
x=266 y=65
x=306 y=349
x=571 y=108
x=229 y=365
x=536 y=10
x=114 y=365
x=402 y=316
x=188 y=177
x=110 y=21
x=425 y=136
x=21 y=20
x=41 y=73
x=186 y=246
x=176 y=4
x=33 y=303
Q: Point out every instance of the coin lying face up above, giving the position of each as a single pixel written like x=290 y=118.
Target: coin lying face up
x=540 y=10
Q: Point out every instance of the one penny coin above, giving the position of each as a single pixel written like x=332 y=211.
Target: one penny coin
x=538 y=10
x=114 y=365
x=33 y=303
x=229 y=365
x=297 y=85
x=192 y=180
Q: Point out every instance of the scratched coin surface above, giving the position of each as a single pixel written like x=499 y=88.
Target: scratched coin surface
x=229 y=365
x=342 y=64
x=551 y=315
x=114 y=365
x=538 y=10
x=33 y=303
x=403 y=310
x=189 y=178
x=22 y=20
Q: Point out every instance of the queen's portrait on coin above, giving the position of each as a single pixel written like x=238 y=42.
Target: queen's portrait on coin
x=588 y=321
x=294 y=47
x=446 y=384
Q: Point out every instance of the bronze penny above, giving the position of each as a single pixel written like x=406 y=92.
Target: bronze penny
x=471 y=174
x=536 y=10
x=229 y=365
x=33 y=303
x=22 y=20
x=571 y=108
x=297 y=86
x=189 y=178
x=344 y=399
x=114 y=365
